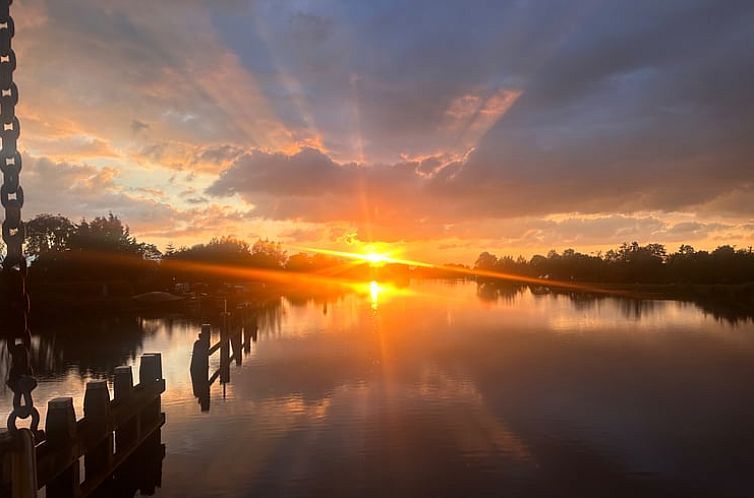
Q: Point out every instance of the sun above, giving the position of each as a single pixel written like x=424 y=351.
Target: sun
x=376 y=259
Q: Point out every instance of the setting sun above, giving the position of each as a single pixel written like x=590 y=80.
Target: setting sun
x=376 y=259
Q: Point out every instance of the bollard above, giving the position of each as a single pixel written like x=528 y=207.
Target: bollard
x=97 y=416
x=61 y=431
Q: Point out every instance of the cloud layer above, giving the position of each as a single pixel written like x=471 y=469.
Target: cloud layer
x=511 y=123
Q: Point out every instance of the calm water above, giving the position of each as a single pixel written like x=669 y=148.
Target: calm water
x=446 y=390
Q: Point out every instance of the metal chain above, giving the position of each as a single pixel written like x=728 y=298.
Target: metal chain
x=20 y=379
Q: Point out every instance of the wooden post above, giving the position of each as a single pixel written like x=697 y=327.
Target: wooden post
x=60 y=428
x=150 y=371
x=200 y=367
x=254 y=327
x=123 y=385
x=246 y=334
x=54 y=462
x=23 y=465
x=225 y=350
x=200 y=353
x=97 y=415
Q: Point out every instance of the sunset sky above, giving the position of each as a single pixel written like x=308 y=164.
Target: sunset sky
x=444 y=127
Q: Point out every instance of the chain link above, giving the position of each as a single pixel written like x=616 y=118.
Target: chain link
x=14 y=268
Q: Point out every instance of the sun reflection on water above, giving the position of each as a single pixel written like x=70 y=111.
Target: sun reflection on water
x=379 y=292
x=374 y=293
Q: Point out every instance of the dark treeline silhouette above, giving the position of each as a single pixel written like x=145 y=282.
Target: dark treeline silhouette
x=632 y=263
x=192 y=263
x=100 y=258
x=99 y=250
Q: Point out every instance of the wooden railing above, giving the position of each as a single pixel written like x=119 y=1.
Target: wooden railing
x=110 y=432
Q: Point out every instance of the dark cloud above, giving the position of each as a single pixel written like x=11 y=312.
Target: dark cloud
x=137 y=126
x=624 y=107
x=416 y=200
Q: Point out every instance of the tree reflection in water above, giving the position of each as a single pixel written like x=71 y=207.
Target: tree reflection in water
x=631 y=308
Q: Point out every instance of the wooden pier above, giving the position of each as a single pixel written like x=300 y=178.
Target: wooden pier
x=105 y=440
x=237 y=332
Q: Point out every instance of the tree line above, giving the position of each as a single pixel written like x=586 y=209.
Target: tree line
x=632 y=263
x=103 y=249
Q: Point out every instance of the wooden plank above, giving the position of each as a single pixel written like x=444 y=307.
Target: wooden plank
x=215 y=347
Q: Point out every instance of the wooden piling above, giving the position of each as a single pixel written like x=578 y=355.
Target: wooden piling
x=123 y=387
x=54 y=462
x=150 y=371
x=225 y=350
x=123 y=384
x=22 y=463
x=200 y=353
x=97 y=415
x=60 y=428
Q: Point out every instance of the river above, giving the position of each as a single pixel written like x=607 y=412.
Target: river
x=443 y=389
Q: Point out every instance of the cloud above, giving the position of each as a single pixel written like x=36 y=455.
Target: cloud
x=84 y=191
x=394 y=120
x=413 y=198
x=137 y=126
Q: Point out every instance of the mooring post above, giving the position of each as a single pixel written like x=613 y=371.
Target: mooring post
x=200 y=367
x=123 y=386
x=246 y=335
x=200 y=353
x=60 y=428
x=254 y=327
x=150 y=371
x=153 y=371
x=97 y=415
x=22 y=461
x=225 y=349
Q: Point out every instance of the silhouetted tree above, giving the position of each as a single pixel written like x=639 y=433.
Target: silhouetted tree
x=267 y=254
x=300 y=262
x=107 y=234
x=47 y=232
x=101 y=250
x=486 y=261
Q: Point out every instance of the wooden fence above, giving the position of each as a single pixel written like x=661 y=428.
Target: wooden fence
x=110 y=433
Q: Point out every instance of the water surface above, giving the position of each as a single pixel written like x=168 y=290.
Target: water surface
x=441 y=389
